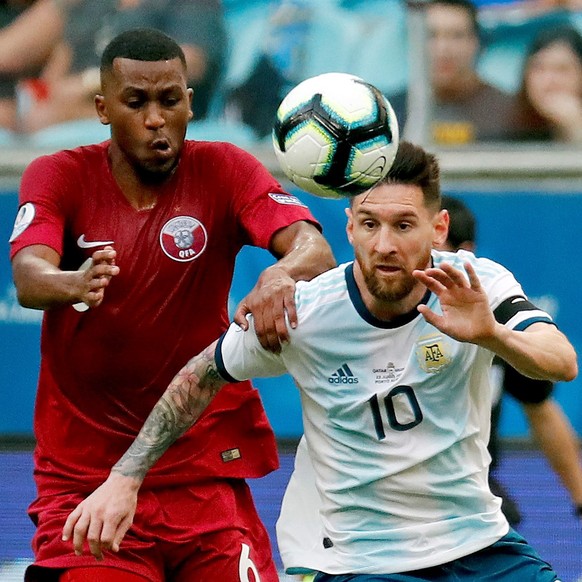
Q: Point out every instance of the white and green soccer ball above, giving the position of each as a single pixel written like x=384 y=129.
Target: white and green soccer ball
x=335 y=135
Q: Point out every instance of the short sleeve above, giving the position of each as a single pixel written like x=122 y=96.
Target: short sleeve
x=262 y=206
x=240 y=356
x=41 y=215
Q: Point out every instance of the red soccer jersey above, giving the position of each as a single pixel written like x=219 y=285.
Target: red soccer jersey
x=103 y=370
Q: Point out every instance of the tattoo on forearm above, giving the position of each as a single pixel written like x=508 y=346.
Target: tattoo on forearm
x=178 y=409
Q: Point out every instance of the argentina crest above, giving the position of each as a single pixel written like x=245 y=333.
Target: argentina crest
x=183 y=238
x=433 y=353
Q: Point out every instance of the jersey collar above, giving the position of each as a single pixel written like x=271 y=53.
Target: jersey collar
x=358 y=303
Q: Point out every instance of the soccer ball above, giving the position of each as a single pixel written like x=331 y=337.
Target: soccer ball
x=335 y=135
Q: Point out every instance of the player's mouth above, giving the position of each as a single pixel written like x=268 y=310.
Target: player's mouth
x=162 y=147
x=388 y=269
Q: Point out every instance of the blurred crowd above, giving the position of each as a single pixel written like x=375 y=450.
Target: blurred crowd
x=50 y=50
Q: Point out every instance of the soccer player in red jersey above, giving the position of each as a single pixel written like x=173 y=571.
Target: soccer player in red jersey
x=129 y=246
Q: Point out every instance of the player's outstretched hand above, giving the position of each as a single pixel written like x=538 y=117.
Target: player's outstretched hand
x=466 y=313
x=103 y=518
x=95 y=275
x=270 y=301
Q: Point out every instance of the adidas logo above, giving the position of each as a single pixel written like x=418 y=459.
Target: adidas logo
x=343 y=375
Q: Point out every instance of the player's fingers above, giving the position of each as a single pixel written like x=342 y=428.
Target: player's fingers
x=473 y=278
x=80 y=533
x=440 y=276
x=281 y=330
x=291 y=311
x=430 y=282
x=97 y=284
x=240 y=315
x=266 y=330
x=120 y=533
x=94 y=537
x=448 y=276
x=107 y=254
x=455 y=275
x=109 y=531
x=103 y=270
x=71 y=522
x=94 y=298
x=430 y=316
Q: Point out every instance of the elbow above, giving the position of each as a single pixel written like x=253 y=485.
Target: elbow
x=24 y=299
x=571 y=370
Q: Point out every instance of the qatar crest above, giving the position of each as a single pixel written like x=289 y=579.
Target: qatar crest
x=183 y=238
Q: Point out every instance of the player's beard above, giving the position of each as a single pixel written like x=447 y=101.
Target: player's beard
x=392 y=289
x=389 y=291
x=156 y=174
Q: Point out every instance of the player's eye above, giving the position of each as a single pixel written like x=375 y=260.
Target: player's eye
x=404 y=226
x=134 y=103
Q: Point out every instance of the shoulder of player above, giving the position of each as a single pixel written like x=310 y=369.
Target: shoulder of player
x=69 y=159
x=221 y=150
x=63 y=171
x=328 y=287
x=220 y=161
x=485 y=268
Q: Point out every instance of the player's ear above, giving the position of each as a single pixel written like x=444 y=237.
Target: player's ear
x=440 y=228
x=101 y=109
x=350 y=225
x=190 y=112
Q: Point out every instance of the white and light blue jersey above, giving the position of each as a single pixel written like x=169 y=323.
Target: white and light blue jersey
x=396 y=418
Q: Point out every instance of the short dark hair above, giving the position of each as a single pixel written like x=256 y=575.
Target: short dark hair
x=566 y=34
x=413 y=165
x=462 y=223
x=466 y=5
x=141 y=44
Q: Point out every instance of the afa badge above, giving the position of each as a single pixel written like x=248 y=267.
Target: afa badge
x=183 y=238
x=433 y=354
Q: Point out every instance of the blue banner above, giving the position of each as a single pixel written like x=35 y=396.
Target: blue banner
x=533 y=234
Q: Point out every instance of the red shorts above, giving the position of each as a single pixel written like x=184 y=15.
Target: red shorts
x=209 y=531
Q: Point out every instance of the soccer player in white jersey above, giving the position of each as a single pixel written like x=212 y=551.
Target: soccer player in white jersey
x=391 y=356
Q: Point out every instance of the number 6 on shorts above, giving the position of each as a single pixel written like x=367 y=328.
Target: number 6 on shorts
x=245 y=564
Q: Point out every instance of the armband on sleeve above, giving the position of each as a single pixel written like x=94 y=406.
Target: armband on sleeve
x=518 y=313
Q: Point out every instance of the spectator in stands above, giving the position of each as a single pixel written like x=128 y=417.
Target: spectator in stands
x=72 y=74
x=529 y=7
x=23 y=52
x=550 y=428
x=463 y=102
x=549 y=101
x=9 y=11
x=255 y=100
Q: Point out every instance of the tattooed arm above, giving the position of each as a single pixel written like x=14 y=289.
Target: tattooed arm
x=185 y=399
x=104 y=517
